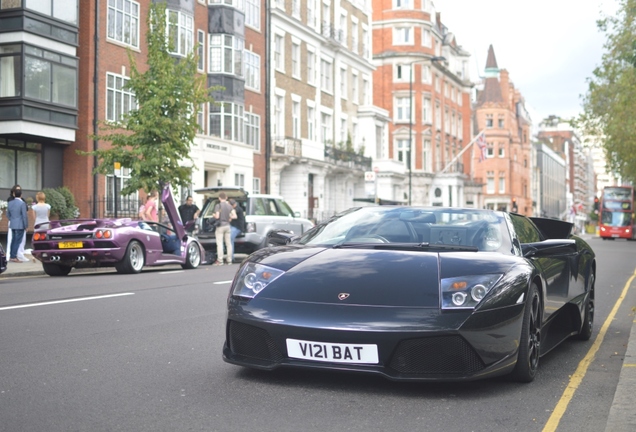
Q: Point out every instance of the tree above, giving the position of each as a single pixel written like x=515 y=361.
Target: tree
x=610 y=101
x=154 y=140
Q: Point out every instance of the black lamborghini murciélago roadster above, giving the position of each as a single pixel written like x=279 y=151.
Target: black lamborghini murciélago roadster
x=413 y=294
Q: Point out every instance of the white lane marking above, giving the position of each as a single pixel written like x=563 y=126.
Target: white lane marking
x=64 y=301
x=222 y=282
x=171 y=271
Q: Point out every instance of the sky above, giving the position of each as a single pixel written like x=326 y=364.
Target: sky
x=549 y=47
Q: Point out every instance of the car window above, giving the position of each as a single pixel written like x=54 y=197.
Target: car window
x=526 y=231
x=258 y=208
x=271 y=208
x=284 y=208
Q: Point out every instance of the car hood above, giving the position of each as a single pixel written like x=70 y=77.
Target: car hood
x=372 y=277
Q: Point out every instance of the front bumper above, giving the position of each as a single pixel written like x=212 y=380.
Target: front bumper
x=414 y=344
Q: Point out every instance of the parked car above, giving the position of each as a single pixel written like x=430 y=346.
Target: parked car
x=126 y=244
x=263 y=214
x=3 y=260
x=413 y=294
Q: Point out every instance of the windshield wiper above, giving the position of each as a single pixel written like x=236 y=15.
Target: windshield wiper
x=407 y=246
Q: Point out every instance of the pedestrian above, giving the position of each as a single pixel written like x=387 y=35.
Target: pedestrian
x=41 y=209
x=21 y=256
x=237 y=226
x=18 y=221
x=188 y=212
x=150 y=211
x=223 y=213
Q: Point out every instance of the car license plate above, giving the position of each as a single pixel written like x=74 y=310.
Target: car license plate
x=332 y=352
x=615 y=235
x=70 y=245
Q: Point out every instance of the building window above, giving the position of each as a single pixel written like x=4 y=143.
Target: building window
x=10 y=70
x=403 y=73
x=489 y=121
x=325 y=76
x=438 y=84
x=366 y=92
x=490 y=182
x=20 y=163
x=402 y=4
x=123 y=22
x=502 y=152
x=278 y=128
x=253 y=130
x=500 y=122
x=180 y=29
x=427 y=156
x=239 y=180
x=355 y=95
x=226 y=121
x=126 y=204
x=502 y=182
x=256 y=185
x=490 y=150
x=438 y=117
x=119 y=99
x=64 y=11
x=200 y=50
x=402 y=151
x=403 y=36
x=253 y=13
x=279 y=52
x=295 y=58
x=426 y=74
x=201 y=118
x=296 y=119
x=48 y=76
x=426 y=110
x=311 y=13
x=426 y=38
x=311 y=67
x=343 y=83
x=402 y=109
x=252 y=70
x=326 y=129
x=226 y=54
x=354 y=36
x=311 y=124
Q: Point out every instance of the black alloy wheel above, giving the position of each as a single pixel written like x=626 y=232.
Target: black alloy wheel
x=588 y=317
x=530 y=340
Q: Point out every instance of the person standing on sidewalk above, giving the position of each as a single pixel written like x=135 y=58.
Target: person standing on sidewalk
x=150 y=209
x=41 y=209
x=17 y=214
x=237 y=225
x=224 y=213
x=21 y=256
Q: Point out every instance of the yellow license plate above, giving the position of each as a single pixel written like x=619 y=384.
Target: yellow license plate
x=70 y=245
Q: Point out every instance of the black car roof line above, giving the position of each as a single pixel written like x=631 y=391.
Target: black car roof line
x=406 y=246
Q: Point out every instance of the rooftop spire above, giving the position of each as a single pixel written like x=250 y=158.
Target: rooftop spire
x=492 y=70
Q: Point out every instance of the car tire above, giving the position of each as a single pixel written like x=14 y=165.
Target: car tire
x=530 y=341
x=133 y=260
x=56 y=269
x=588 y=317
x=193 y=256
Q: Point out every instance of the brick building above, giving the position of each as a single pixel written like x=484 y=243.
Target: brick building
x=68 y=67
x=422 y=82
x=506 y=170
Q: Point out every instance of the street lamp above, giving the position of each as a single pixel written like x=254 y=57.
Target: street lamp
x=428 y=60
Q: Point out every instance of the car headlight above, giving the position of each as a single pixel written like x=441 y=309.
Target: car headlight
x=467 y=291
x=253 y=278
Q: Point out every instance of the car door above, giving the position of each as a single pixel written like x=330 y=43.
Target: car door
x=284 y=210
x=555 y=269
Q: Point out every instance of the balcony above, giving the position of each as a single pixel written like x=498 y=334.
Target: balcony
x=333 y=35
x=346 y=158
x=287 y=146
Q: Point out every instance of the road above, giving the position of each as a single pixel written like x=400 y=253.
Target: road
x=109 y=352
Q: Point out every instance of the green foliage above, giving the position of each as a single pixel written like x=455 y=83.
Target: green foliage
x=57 y=202
x=610 y=101
x=154 y=140
x=71 y=209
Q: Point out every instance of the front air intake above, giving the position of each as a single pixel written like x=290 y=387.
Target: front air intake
x=254 y=342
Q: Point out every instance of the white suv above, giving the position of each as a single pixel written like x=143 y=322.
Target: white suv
x=263 y=213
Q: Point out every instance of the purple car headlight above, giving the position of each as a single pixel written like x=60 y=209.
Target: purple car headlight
x=253 y=278
x=466 y=292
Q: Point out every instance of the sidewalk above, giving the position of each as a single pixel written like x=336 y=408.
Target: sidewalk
x=32 y=267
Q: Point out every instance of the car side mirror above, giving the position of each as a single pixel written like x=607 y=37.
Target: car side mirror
x=296 y=214
x=280 y=237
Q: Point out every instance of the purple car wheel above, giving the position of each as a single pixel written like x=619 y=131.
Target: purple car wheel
x=193 y=257
x=134 y=259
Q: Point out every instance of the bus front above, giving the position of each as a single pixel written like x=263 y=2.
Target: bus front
x=616 y=219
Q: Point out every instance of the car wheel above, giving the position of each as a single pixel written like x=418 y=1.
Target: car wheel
x=530 y=340
x=134 y=259
x=588 y=317
x=56 y=269
x=193 y=256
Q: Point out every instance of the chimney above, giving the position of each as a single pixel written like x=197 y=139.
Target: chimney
x=504 y=80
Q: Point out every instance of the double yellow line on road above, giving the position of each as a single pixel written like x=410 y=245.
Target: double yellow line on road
x=581 y=370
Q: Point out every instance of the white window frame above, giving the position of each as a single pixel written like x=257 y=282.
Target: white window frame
x=355 y=90
x=279 y=52
x=123 y=100
x=426 y=37
x=253 y=130
x=402 y=4
x=427 y=155
x=295 y=59
x=253 y=14
x=326 y=127
x=427 y=108
x=311 y=66
x=502 y=182
x=225 y=54
x=402 y=109
x=343 y=83
x=252 y=65
x=227 y=112
x=311 y=121
x=295 y=117
x=180 y=26
x=326 y=75
x=201 y=50
x=402 y=72
x=490 y=182
x=127 y=22
x=256 y=185
x=401 y=151
x=403 y=35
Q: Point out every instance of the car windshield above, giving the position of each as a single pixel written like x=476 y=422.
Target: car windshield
x=467 y=229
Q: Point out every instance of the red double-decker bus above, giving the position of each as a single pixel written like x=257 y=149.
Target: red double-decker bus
x=616 y=218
